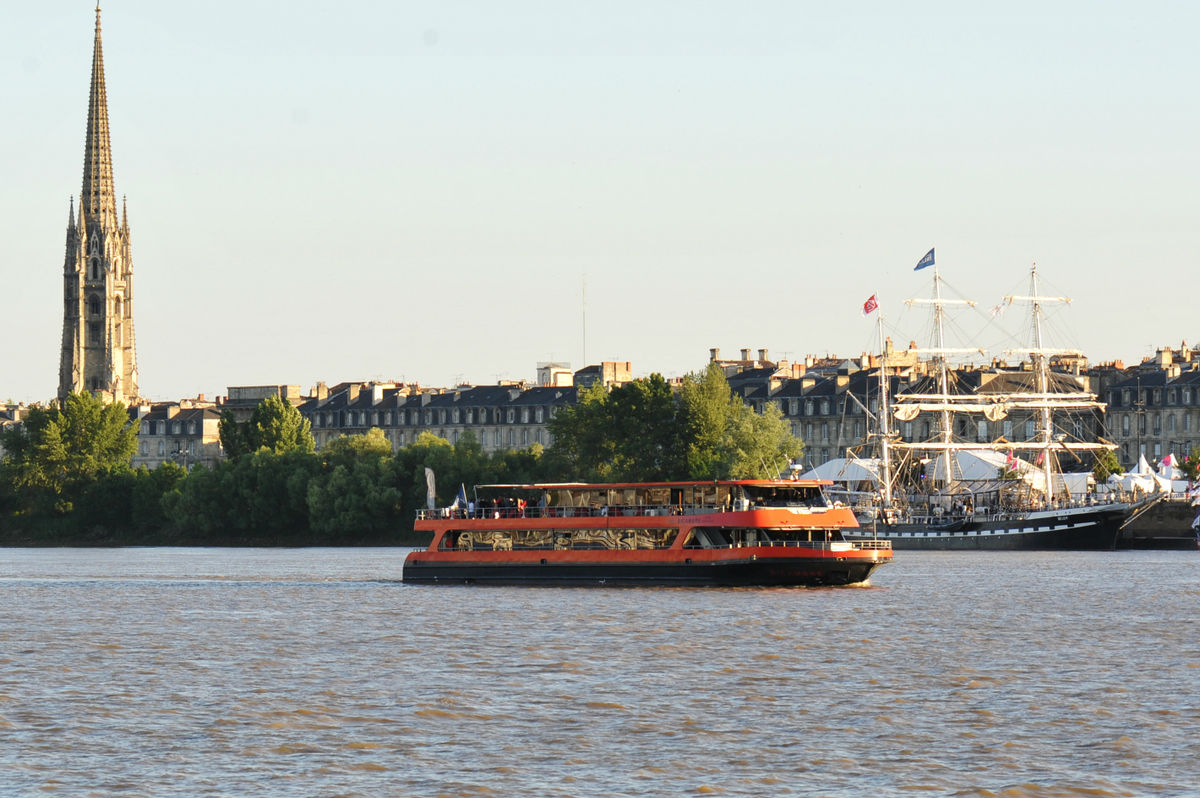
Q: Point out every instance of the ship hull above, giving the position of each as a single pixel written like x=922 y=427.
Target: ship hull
x=1074 y=529
x=699 y=568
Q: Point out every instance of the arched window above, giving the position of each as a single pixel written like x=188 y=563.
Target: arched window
x=93 y=304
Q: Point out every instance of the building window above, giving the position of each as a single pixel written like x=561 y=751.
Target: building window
x=496 y=439
x=539 y=416
x=94 y=305
x=162 y=448
x=1170 y=422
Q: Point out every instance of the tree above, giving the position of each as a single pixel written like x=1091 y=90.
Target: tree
x=1104 y=465
x=630 y=433
x=1190 y=466
x=60 y=449
x=725 y=438
x=274 y=425
x=642 y=432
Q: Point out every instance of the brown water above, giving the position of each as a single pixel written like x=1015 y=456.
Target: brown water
x=219 y=672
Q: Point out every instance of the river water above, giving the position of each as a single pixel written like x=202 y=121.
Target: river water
x=315 y=672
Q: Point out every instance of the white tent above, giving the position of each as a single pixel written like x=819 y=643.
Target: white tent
x=980 y=464
x=841 y=469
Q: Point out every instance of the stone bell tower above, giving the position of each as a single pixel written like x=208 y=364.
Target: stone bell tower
x=98 y=353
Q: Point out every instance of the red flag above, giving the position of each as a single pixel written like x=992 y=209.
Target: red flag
x=870 y=305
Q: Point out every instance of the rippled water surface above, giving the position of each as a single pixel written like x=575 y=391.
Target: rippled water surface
x=198 y=672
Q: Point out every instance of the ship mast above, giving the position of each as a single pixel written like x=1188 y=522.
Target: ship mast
x=885 y=430
x=939 y=351
x=1039 y=358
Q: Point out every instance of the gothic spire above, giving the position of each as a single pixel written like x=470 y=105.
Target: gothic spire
x=97 y=200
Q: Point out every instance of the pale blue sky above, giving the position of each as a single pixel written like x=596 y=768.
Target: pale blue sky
x=415 y=190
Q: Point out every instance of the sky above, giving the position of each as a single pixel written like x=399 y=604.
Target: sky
x=448 y=192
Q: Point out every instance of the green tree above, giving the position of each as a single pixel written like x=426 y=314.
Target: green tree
x=274 y=425
x=60 y=449
x=233 y=436
x=725 y=438
x=630 y=433
x=1104 y=465
x=1190 y=465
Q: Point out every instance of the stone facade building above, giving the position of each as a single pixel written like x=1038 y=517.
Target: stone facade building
x=98 y=352
x=184 y=433
x=1154 y=407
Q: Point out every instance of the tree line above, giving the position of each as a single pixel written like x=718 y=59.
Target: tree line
x=66 y=478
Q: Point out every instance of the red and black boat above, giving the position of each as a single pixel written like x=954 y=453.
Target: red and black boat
x=725 y=532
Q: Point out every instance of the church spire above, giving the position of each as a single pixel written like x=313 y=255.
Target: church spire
x=97 y=200
x=98 y=352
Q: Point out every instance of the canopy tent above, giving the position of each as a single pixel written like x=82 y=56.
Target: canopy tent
x=844 y=470
x=980 y=464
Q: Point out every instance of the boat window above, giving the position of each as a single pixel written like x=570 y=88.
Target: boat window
x=741 y=537
x=605 y=539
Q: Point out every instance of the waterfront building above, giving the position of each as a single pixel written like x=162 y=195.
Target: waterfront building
x=98 y=353
x=1154 y=409
x=186 y=433
x=511 y=415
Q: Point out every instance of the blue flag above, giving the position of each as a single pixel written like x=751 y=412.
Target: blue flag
x=925 y=261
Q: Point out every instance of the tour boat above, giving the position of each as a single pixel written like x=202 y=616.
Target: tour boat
x=724 y=532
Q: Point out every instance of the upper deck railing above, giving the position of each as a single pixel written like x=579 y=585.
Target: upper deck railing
x=620 y=510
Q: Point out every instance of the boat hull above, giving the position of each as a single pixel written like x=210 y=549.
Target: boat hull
x=1074 y=529
x=699 y=568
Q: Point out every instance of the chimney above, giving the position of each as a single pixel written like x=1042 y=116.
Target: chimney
x=714 y=355
x=745 y=354
x=762 y=355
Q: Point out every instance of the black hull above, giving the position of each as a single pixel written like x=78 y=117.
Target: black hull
x=796 y=572
x=1069 y=530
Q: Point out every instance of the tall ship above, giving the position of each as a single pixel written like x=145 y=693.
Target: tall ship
x=715 y=533
x=999 y=491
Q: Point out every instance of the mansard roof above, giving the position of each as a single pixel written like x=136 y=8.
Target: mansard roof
x=546 y=395
x=1143 y=379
